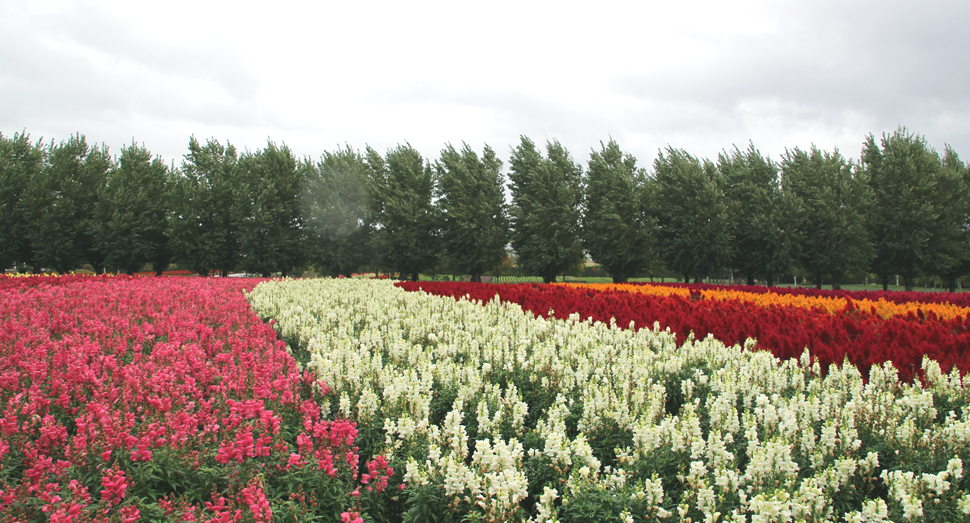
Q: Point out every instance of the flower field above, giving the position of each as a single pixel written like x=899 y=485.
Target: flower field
x=173 y=399
x=866 y=331
x=498 y=415
x=164 y=399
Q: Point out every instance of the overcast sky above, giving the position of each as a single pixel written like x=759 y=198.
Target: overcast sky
x=697 y=75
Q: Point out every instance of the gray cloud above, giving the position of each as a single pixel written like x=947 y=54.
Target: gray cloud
x=876 y=65
x=79 y=69
x=779 y=73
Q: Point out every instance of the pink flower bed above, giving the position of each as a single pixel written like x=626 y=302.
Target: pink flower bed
x=163 y=399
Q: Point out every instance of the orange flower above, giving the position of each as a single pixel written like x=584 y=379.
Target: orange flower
x=885 y=309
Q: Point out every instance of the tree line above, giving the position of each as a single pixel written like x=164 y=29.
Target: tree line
x=902 y=210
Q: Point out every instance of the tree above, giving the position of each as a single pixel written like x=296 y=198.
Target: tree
x=617 y=231
x=135 y=206
x=471 y=205
x=63 y=207
x=338 y=209
x=951 y=235
x=546 y=209
x=902 y=172
x=205 y=228
x=692 y=214
x=271 y=228
x=407 y=230
x=830 y=198
x=20 y=165
x=760 y=217
x=166 y=252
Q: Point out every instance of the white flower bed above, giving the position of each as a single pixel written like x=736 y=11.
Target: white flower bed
x=492 y=410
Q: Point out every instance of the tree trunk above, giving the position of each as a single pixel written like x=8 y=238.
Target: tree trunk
x=818 y=281
x=619 y=279
x=750 y=279
x=686 y=278
x=476 y=277
x=548 y=279
x=951 y=283
x=770 y=280
x=908 y=282
x=414 y=276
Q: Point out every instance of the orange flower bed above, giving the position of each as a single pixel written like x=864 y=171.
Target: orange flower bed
x=881 y=307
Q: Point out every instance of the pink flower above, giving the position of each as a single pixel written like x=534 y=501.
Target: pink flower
x=115 y=484
x=130 y=514
x=351 y=517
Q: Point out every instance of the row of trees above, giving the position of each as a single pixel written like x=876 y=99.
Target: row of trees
x=903 y=209
x=68 y=204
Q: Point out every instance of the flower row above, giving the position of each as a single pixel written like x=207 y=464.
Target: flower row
x=162 y=399
x=881 y=306
x=501 y=415
x=861 y=337
x=959 y=299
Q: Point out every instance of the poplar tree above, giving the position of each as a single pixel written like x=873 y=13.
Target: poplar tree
x=692 y=214
x=20 y=165
x=951 y=235
x=338 y=209
x=135 y=202
x=407 y=231
x=546 y=209
x=760 y=215
x=472 y=210
x=902 y=172
x=63 y=207
x=271 y=237
x=205 y=226
x=617 y=231
x=831 y=199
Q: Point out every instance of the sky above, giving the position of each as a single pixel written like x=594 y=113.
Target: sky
x=703 y=76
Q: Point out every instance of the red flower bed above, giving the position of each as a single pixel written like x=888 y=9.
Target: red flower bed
x=859 y=336
x=161 y=399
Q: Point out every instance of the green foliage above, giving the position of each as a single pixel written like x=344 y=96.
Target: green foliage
x=618 y=232
x=830 y=198
x=760 y=215
x=546 y=209
x=902 y=210
x=471 y=204
x=952 y=231
x=337 y=204
x=62 y=205
x=205 y=231
x=134 y=207
x=271 y=227
x=902 y=172
x=407 y=222
x=692 y=214
x=20 y=166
